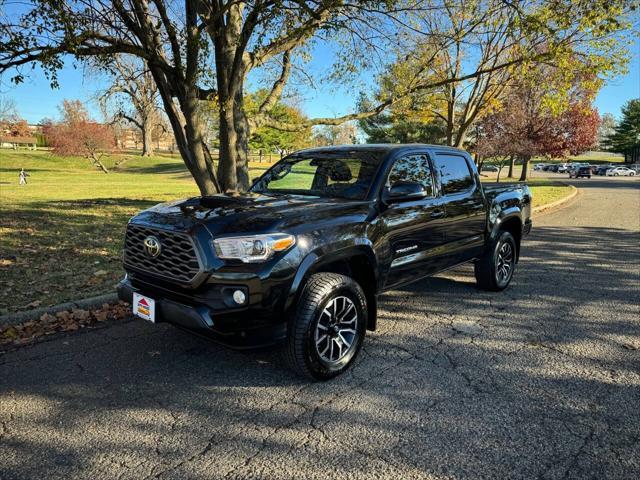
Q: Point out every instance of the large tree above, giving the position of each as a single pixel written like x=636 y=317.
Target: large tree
x=343 y=134
x=607 y=128
x=476 y=36
x=133 y=96
x=468 y=36
x=270 y=139
x=76 y=134
x=626 y=136
x=8 y=109
x=397 y=126
x=531 y=124
x=11 y=124
x=205 y=49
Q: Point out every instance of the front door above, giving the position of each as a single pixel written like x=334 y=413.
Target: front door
x=414 y=228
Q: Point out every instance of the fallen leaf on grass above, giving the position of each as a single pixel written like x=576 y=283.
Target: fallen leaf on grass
x=47 y=318
x=10 y=332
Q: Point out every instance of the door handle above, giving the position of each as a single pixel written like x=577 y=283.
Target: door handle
x=437 y=214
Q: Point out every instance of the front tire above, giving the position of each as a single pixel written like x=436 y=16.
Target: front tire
x=327 y=327
x=494 y=270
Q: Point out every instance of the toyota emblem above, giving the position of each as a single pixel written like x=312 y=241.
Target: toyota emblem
x=152 y=246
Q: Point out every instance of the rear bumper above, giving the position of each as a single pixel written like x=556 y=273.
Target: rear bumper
x=243 y=328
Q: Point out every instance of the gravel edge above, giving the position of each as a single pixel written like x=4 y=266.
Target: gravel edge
x=84 y=304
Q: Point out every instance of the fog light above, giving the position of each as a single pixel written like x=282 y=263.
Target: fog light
x=239 y=297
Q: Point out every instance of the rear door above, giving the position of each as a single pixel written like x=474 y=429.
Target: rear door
x=464 y=204
x=413 y=228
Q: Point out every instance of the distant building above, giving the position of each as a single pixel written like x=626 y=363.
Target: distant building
x=30 y=143
x=131 y=139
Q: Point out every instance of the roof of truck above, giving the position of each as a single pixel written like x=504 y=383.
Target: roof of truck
x=375 y=147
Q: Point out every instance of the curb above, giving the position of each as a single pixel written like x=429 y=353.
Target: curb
x=86 y=303
x=557 y=203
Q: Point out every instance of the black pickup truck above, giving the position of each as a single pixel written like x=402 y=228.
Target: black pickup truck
x=300 y=259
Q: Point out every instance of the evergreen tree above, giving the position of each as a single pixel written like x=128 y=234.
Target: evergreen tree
x=626 y=137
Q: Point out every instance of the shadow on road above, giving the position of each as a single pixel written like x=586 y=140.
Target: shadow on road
x=512 y=384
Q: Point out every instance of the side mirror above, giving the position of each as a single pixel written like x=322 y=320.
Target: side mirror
x=404 y=191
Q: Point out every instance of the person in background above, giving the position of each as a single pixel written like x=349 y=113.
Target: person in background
x=23 y=177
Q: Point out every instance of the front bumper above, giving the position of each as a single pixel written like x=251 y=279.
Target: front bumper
x=208 y=314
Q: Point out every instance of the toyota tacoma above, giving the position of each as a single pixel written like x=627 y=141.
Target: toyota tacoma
x=301 y=258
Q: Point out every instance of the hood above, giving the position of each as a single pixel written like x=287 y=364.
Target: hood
x=248 y=212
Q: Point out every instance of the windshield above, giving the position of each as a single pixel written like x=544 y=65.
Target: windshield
x=342 y=175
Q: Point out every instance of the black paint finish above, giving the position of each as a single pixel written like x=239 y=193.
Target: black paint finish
x=384 y=242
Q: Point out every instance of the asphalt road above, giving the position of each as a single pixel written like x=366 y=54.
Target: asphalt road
x=540 y=381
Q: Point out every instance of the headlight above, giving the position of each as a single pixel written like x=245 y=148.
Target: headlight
x=254 y=248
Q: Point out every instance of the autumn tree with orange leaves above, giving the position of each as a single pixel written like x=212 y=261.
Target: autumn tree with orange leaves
x=76 y=134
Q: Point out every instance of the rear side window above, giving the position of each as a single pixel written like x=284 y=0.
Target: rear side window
x=413 y=168
x=455 y=174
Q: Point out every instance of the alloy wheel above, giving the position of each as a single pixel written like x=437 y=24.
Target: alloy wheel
x=335 y=334
x=504 y=263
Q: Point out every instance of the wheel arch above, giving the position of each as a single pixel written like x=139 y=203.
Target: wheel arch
x=356 y=262
x=511 y=223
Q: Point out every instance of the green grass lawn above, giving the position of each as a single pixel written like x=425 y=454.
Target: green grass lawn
x=546 y=191
x=61 y=235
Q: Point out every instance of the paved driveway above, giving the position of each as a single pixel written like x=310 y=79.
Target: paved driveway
x=540 y=381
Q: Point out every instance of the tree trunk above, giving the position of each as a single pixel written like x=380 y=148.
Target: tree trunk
x=525 y=167
x=202 y=163
x=227 y=172
x=96 y=161
x=147 y=142
x=242 y=141
x=450 y=126
x=512 y=161
x=461 y=135
x=188 y=134
x=233 y=169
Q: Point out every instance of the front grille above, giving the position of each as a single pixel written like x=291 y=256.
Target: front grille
x=177 y=260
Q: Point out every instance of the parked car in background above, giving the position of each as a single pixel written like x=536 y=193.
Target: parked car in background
x=620 y=172
x=563 y=168
x=554 y=168
x=539 y=166
x=635 y=167
x=602 y=169
x=580 y=172
x=489 y=168
x=594 y=169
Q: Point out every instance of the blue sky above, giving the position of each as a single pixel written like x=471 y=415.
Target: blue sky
x=36 y=100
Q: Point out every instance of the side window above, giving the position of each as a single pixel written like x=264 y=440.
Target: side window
x=455 y=174
x=413 y=168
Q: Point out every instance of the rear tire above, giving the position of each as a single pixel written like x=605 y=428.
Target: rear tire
x=494 y=270
x=327 y=327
